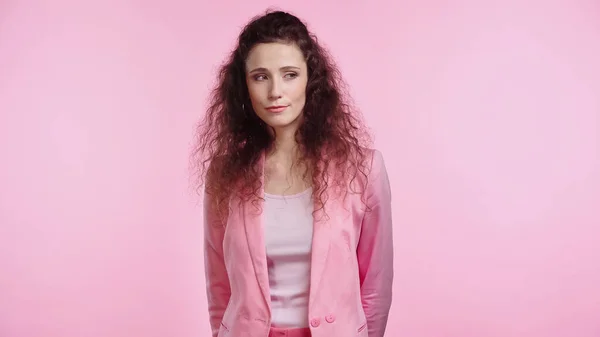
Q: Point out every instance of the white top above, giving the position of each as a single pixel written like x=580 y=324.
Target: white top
x=288 y=239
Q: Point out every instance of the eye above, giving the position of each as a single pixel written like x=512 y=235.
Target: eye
x=260 y=77
x=291 y=75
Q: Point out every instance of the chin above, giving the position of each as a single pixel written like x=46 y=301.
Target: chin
x=281 y=121
x=279 y=125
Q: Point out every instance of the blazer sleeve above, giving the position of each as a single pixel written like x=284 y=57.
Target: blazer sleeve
x=218 y=289
x=375 y=250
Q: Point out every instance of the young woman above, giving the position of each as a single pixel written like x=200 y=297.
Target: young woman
x=298 y=227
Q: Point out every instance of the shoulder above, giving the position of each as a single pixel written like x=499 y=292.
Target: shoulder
x=215 y=167
x=217 y=161
x=378 y=185
x=375 y=163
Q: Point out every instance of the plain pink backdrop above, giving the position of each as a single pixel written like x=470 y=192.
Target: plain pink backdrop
x=488 y=115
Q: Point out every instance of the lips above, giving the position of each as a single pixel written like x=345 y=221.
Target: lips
x=277 y=109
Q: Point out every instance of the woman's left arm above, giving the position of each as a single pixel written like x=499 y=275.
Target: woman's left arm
x=375 y=250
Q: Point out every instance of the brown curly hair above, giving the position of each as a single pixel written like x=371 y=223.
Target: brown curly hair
x=231 y=138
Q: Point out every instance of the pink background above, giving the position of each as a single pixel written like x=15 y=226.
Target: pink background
x=488 y=114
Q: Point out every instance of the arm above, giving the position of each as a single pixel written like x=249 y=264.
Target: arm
x=218 y=290
x=375 y=250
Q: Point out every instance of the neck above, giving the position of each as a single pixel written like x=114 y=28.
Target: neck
x=284 y=154
x=285 y=144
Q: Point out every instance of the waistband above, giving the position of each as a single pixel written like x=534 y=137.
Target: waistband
x=295 y=332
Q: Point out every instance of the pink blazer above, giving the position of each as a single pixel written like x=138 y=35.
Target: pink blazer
x=351 y=266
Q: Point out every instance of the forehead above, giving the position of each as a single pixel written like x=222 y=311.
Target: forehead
x=274 y=55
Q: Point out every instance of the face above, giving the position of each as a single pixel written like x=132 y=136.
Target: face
x=276 y=75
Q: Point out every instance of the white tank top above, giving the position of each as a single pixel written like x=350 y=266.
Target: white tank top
x=288 y=239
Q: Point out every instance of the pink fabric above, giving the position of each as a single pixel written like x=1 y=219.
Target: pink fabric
x=299 y=332
x=351 y=264
x=288 y=233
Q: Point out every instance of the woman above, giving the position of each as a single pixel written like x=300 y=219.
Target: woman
x=298 y=229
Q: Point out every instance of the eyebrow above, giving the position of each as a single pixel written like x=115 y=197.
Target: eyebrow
x=266 y=70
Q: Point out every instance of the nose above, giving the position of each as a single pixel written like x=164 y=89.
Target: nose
x=275 y=90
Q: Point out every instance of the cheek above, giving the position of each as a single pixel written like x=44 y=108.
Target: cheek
x=298 y=92
x=254 y=93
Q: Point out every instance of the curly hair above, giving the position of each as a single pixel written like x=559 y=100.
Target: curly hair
x=231 y=138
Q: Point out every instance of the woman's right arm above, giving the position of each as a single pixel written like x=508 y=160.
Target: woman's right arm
x=218 y=290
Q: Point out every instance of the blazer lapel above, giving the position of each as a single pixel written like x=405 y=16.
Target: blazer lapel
x=321 y=243
x=254 y=226
x=319 y=252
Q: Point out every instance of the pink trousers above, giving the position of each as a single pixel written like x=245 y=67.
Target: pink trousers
x=298 y=332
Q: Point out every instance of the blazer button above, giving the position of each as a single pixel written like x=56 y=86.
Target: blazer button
x=315 y=322
x=330 y=318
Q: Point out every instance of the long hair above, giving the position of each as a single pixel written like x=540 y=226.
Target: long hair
x=231 y=138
